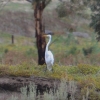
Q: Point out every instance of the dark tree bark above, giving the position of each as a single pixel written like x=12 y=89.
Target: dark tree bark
x=40 y=41
x=38 y=6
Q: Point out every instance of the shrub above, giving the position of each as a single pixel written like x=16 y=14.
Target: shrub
x=73 y=70
x=73 y=50
x=54 y=94
x=87 y=69
x=65 y=91
x=90 y=94
x=6 y=50
x=94 y=95
x=3 y=70
x=87 y=51
x=61 y=10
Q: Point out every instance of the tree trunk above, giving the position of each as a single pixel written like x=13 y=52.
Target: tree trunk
x=40 y=41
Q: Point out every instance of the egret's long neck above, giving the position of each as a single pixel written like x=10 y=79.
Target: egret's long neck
x=48 y=43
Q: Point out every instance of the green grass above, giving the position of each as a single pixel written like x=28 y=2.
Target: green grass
x=18 y=7
x=67 y=51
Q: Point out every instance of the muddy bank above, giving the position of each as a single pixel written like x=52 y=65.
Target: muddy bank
x=15 y=83
x=11 y=85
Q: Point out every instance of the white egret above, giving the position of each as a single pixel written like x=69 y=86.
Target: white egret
x=49 y=58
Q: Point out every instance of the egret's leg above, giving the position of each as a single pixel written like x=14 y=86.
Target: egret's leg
x=52 y=70
x=49 y=67
x=45 y=69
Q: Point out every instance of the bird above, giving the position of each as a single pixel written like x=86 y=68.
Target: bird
x=49 y=58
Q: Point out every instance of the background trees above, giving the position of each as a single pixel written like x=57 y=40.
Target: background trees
x=95 y=7
x=67 y=7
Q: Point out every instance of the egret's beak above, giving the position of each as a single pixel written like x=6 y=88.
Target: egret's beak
x=44 y=36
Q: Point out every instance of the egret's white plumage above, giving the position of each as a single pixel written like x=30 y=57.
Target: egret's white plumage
x=49 y=59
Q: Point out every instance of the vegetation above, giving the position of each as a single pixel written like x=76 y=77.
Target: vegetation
x=95 y=7
x=60 y=93
x=17 y=7
x=77 y=59
x=72 y=7
x=20 y=60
